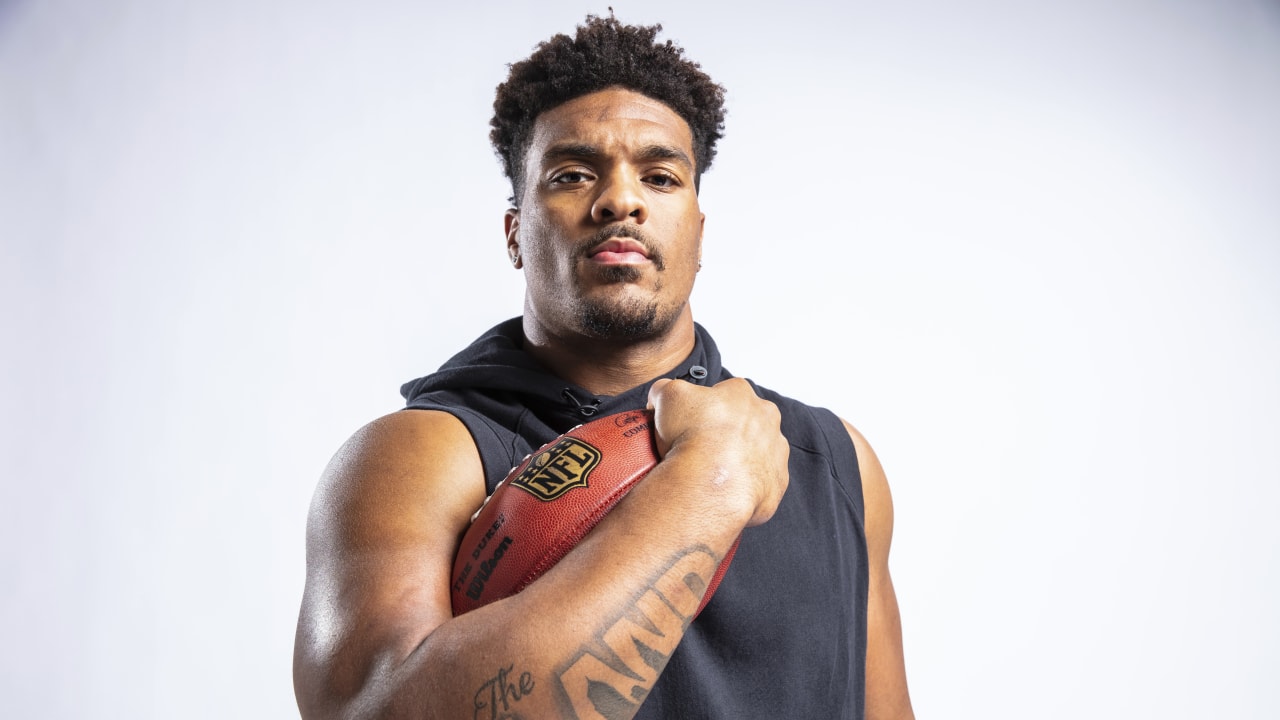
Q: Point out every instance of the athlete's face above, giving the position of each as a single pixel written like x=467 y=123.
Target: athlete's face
x=609 y=232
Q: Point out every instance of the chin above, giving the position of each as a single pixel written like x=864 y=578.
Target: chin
x=632 y=321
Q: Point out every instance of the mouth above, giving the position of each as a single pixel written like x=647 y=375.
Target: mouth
x=619 y=251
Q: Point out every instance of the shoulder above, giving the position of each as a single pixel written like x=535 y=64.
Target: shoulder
x=402 y=439
x=876 y=500
x=801 y=416
x=410 y=431
x=409 y=464
x=806 y=420
x=814 y=428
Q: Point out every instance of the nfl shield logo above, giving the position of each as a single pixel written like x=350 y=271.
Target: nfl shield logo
x=558 y=469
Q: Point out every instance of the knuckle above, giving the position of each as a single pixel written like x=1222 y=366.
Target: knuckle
x=679 y=387
x=772 y=411
x=733 y=384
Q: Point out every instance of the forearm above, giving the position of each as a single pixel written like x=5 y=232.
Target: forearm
x=636 y=580
x=539 y=655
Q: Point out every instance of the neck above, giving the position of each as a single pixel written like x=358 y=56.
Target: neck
x=609 y=367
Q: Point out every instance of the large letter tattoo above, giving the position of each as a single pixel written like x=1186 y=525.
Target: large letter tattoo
x=494 y=698
x=638 y=643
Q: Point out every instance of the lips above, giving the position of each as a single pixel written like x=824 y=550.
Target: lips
x=619 y=251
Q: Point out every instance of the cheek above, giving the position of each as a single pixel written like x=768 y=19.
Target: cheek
x=691 y=249
x=532 y=238
x=547 y=262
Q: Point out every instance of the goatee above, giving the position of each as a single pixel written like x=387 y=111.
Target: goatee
x=627 y=321
x=637 y=322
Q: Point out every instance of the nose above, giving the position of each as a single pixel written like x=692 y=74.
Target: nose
x=619 y=198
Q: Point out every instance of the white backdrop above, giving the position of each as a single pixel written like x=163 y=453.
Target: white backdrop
x=1031 y=249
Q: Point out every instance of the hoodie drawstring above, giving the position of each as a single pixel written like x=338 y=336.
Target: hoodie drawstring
x=583 y=409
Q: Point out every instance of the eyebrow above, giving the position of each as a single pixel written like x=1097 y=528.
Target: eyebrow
x=583 y=150
x=665 y=152
x=568 y=150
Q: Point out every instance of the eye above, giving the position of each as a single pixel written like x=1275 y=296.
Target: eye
x=662 y=180
x=570 y=177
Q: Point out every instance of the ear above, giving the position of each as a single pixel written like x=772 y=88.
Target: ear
x=702 y=226
x=511 y=226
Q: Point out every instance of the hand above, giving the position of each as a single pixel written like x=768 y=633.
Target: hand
x=730 y=435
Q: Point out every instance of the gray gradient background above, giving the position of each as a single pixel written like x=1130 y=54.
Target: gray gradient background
x=1031 y=249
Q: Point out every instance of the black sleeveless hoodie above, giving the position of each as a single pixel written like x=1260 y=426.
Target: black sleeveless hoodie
x=785 y=634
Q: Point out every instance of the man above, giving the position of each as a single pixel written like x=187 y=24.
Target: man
x=604 y=137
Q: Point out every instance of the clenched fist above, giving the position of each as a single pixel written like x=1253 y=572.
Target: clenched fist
x=727 y=437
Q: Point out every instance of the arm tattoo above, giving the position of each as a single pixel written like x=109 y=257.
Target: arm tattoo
x=495 y=697
x=610 y=679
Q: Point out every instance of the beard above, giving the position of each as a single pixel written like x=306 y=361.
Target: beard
x=624 y=320
x=637 y=321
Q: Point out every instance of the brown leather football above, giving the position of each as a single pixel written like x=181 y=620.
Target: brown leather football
x=549 y=502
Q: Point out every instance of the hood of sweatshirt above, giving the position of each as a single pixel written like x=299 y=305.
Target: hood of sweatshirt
x=495 y=378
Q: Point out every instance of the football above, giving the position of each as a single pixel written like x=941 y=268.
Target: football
x=549 y=502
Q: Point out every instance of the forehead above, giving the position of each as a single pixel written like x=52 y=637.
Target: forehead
x=613 y=120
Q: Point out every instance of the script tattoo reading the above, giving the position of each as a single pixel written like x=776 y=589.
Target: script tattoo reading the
x=495 y=697
x=558 y=469
x=640 y=642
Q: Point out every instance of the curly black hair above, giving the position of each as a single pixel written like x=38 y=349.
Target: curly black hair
x=605 y=53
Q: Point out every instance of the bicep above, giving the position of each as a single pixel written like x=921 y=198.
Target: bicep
x=887 y=695
x=381 y=536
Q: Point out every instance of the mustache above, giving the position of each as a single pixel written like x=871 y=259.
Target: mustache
x=623 y=231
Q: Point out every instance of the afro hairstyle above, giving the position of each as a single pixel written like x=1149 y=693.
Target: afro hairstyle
x=604 y=53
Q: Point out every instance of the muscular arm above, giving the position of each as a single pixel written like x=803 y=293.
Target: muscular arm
x=887 y=697
x=376 y=637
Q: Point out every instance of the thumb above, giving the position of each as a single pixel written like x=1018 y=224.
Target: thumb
x=655 y=390
x=660 y=444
